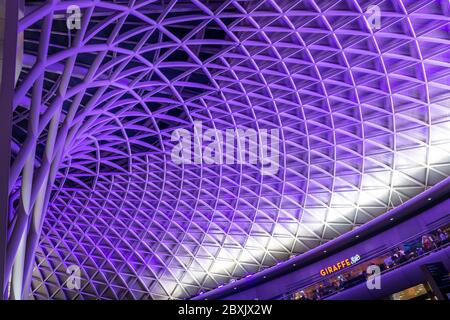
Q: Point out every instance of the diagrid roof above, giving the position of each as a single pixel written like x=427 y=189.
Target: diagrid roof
x=361 y=105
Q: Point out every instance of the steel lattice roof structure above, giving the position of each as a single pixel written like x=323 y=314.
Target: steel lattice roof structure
x=363 y=112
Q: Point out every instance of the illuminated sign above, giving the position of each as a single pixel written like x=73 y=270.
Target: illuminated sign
x=339 y=265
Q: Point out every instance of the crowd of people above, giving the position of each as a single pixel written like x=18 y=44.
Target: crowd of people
x=428 y=242
x=408 y=251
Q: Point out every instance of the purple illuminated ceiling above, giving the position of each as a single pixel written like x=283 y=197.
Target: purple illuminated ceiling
x=362 y=107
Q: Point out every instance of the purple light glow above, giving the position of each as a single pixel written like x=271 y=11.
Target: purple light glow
x=363 y=114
